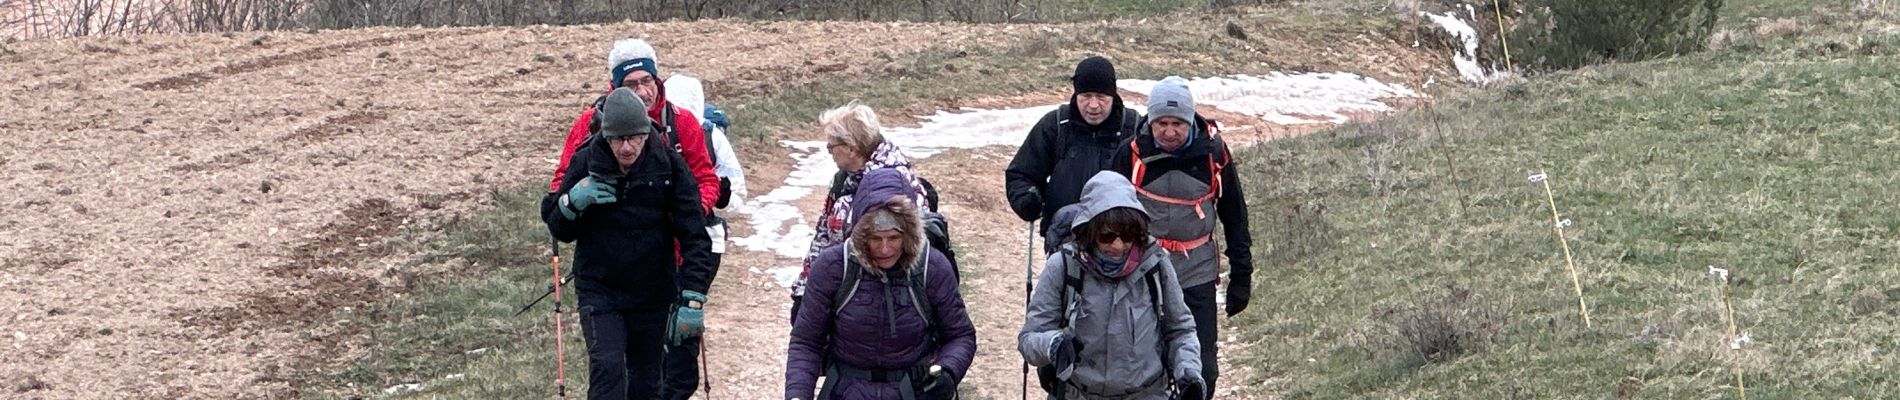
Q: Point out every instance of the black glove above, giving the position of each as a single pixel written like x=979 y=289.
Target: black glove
x=1191 y=386
x=939 y=386
x=1028 y=206
x=1062 y=356
x=725 y=193
x=1239 y=292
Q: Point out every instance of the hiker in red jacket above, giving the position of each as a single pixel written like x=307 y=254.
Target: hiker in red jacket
x=636 y=66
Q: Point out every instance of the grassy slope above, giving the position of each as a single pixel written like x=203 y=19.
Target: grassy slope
x=462 y=324
x=1773 y=156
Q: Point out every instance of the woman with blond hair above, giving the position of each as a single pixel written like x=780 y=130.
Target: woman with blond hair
x=856 y=144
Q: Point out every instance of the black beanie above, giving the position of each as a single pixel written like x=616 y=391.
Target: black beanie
x=1096 y=75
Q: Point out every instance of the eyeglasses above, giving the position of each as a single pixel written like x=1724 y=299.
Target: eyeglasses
x=1109 y=237
x=642 y=81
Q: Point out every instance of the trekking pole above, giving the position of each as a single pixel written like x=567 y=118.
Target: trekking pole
x=551 y=288
x=705 y=374
x=560 y=359
x=1029 y=289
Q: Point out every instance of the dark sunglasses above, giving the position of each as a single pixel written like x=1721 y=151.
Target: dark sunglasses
x=1126 y=237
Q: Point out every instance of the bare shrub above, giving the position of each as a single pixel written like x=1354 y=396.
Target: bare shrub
x=1868 y=301
x=74 y=18
x=1442 y=327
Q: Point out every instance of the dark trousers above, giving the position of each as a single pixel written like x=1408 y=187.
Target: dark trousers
x=1200 y=302
x=682 y=370
x=682 y=365
x=623 y=351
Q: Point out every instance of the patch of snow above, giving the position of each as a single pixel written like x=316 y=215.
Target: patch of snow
x=777 y=226
x=1467 y=60
x=403 y=388
x=1288 y=99
x=785 y=275
x=968 y=128
x=782 y=229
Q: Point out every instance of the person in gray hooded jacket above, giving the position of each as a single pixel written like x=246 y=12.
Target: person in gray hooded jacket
x=1107 y=314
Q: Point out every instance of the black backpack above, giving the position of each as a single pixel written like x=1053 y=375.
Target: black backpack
x=1072 y=283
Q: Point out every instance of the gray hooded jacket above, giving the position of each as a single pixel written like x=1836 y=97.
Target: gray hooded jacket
x=1112 y=319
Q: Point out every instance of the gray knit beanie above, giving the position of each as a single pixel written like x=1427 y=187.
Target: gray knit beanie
x=623 y=114
x=1170 y=98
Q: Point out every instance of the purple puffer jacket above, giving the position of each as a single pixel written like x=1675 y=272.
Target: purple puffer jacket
x=876 y=330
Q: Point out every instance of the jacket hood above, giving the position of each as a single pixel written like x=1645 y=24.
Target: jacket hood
x=886 y=190
x=687 y=93
x=879 y=186
x=1105 y=191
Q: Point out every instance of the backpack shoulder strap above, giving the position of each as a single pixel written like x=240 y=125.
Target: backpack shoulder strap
x=1153 y=280
x=1131 y=123
x=1071 y=287
x=920 y=293
x=593 y=122
x=848 y=285
x=1062 y=133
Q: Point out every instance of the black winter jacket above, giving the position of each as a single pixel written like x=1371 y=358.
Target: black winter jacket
x=1041 y=166
x=650 y=243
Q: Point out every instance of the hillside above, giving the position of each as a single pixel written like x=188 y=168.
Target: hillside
x=334 y=213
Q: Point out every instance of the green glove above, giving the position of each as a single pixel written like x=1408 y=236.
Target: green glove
x=588 y=192
x=689 y=320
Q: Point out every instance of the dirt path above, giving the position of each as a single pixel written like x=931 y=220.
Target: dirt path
x=186 y=213
x=749 y=333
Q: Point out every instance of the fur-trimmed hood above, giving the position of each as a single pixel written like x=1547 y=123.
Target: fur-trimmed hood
x=887 y=190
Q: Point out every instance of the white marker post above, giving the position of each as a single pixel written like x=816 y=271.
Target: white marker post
x=1734 y=341
x=1558 y=223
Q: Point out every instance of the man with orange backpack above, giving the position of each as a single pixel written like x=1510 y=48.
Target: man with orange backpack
x=1183 y=175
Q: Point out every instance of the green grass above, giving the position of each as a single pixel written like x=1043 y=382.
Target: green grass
x=1774 y=159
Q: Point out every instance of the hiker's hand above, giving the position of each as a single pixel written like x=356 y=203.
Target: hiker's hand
x=1239 y=292
x=690 y=319
x=725 y=193
x=939 y=385
x=1191 y=385
x=586 y=193
x=1027 y=206
x=1062 y=356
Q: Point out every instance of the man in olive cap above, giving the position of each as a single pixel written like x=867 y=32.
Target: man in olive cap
x=626 y=201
